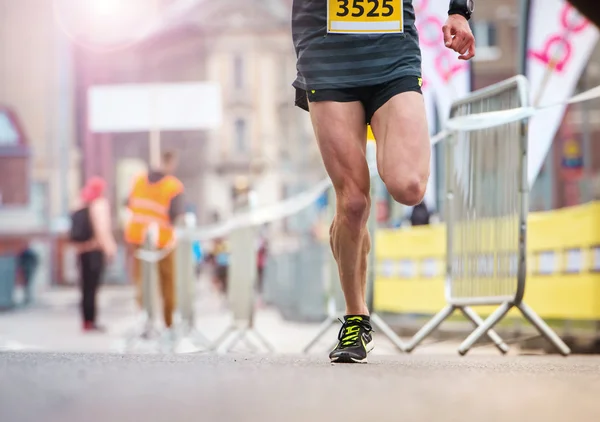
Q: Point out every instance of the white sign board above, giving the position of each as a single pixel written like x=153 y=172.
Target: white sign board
x=154 y=107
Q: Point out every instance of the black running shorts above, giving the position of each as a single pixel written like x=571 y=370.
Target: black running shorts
x=372 y=97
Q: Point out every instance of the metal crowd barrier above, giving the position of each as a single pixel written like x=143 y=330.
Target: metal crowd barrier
x=486 y=218
x=148 y=273
x=241 y=285
x=184 y=327
x=241 y=293
x=185 y=284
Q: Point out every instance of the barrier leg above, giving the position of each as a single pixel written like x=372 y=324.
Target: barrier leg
x=430 y=327
x=241 y=333
x=487 y=325
x=198 y=339
x=145 y=329
x=261 y=339
x=248 y=341
x=387 y=331
x=469 y=313
x=219 y=341
x=185 y=282
x=149 y=283
x=325 y=326
x=544 y=329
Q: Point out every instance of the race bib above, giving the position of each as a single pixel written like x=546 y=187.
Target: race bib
x=365 y=16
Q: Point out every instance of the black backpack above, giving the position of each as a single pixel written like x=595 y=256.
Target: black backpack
x=81 y=226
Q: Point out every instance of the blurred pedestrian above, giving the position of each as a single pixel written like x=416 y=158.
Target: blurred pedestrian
x=219 y=257
x=198 y=256
x=261 y=261
x=28 y=263
x=157 y=199
x=91 y=233
x=420 y=215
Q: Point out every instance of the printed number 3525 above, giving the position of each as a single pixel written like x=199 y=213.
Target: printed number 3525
x=372 y=8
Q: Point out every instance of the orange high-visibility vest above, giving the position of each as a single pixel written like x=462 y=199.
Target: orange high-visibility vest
x=149 y=203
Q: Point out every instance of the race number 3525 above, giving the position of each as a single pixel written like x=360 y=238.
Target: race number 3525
x=368 y=8
x=365 y=16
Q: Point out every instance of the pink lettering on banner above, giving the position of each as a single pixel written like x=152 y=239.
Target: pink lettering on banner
x=556 y=53
x=447 y=66
x=557 y=50
x=432 y=37
x=420 y=6
x=572 y=20
x=430 y=32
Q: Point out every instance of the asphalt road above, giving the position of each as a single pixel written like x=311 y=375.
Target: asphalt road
x=230 y=388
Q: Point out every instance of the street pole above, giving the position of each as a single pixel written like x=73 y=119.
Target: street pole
x=586 y=141
x=524 y=14
x=523 y=37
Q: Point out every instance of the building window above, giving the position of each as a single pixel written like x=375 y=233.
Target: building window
x=485 y=34
x=8 y=132
x=238 y=71
x=241 y=141
x=486 y=40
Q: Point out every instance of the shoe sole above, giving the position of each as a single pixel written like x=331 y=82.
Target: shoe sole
x=348 y=359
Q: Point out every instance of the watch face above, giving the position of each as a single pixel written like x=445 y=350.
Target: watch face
x=470 y=5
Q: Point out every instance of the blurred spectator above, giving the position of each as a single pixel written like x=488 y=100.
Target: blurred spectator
x=198 y=256
x=28 y=263
x=263 y=250
x=91 y=233
x=219 y=258
x=420 y=215
x=157 y=199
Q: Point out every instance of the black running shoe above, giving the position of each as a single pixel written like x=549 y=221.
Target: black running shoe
x=355 y=340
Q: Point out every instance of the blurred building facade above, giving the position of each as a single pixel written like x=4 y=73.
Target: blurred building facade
x=39 y=175
x=264 y=140
x=245 y=46
x=36 y=84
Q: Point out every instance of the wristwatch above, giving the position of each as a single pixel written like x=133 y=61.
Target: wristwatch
x=461 y=7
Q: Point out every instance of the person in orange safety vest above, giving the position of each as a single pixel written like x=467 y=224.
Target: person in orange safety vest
x=157 y=198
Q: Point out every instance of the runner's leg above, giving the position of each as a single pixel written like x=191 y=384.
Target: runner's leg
x=403 y=146
x=341 y=134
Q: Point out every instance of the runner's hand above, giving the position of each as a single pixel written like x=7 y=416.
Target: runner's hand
x=458 y=37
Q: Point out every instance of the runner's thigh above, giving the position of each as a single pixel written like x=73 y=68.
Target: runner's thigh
x=341 y=134
x=403 y=146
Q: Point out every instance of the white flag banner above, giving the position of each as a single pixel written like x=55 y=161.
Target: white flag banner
x=445 y=78
x=560 y=42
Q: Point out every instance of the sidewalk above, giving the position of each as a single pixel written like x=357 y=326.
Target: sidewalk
x=54 y=325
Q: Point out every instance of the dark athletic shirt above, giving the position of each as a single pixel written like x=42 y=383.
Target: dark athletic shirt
x=328 y=61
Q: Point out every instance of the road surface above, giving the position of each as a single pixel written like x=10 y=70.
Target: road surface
x=68 y=387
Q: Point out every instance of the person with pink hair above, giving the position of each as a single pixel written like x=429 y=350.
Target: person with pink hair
x=91 y=232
